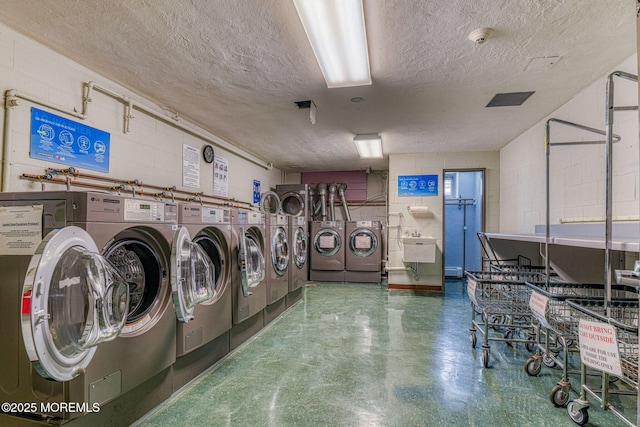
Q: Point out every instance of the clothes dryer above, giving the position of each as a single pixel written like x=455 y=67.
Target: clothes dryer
x=363 y=255
x=327 y=252
x=299 y=266
x=294 y=199
x=71 y=337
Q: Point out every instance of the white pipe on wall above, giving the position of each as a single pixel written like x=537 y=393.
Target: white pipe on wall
x=172 y=121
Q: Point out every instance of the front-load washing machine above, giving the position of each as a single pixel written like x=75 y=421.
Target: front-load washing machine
x=210 y=229
x=248 y=279
x=57 y=304
x=278 y=261
x=327 y=251
x=294 y=199
x=298 y=266
x=363 y=255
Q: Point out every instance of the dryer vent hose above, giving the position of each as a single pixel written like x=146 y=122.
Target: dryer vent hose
x=332 y=195
x=341 y=190
x=322 y=190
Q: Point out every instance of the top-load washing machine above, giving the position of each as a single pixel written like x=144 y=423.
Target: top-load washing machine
x=86 y=301
x=327 y=251
x=299 y=265
x=278 y=264
x=210 y=229
x=294 y=199
x=363 y=255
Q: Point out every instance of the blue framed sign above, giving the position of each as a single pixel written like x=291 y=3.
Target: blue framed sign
x=60 y=140
x=418 y=185
x=256 y=191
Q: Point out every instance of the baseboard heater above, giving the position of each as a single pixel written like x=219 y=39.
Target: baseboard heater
x=453 y=272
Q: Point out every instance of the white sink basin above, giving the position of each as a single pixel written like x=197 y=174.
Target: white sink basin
x=419 y=249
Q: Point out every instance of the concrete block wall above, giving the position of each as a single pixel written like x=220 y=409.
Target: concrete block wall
x=401 y=222
x=577 y=173
x=151 y=152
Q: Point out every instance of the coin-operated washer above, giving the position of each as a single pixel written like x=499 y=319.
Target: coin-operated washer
x=248 y=279
x=278 y=263
x=204 y=340
x=299 y=266
x=54 y=351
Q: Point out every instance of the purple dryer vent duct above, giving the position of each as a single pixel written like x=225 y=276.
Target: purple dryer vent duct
x=322 y=191
x=341 y=190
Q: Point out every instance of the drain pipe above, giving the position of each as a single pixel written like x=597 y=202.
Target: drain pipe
x=332 y=207
x=341 y=189
x=322 y=190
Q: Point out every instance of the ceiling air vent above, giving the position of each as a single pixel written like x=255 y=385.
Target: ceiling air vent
x=509 y=99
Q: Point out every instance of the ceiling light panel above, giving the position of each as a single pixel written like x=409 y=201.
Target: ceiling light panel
x=337 y=34
x=369 y=146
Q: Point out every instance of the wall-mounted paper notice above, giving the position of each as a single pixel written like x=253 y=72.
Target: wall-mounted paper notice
x=20 y=229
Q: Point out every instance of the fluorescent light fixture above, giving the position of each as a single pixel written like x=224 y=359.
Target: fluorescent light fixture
x=336 y=31
x=369 y=146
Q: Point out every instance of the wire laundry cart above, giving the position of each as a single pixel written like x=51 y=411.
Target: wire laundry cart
x=608 y=334
x=556 y=327
x=500 y=301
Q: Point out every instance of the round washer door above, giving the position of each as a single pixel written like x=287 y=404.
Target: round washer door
x=192 y=275
x=251 y=261
x=292 y=204
x=73 y=299
x=327 y=242
x=280 y=251
x=363 y=242
x=300 y=247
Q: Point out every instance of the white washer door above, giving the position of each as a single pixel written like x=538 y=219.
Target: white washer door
x=72 y=300
x=192 y=275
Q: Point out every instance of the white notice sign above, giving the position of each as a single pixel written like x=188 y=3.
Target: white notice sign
x=190 y=166
x=20 y=229
x=599 y=347
x=539 y=305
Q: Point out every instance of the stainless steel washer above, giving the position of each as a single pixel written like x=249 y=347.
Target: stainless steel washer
x=248 y=280
x=299 y=264
x=54 y=350
x=278 y=264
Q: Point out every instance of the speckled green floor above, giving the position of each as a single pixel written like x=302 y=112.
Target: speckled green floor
x=358 y=355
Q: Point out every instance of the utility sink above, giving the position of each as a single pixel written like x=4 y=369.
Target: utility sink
x=419 y=249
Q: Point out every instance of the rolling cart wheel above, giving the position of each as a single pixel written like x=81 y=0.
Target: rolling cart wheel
x=530 y=344
x=580 y=417
x=548 y=362
x=533 y=366
x=485 y=357
x=474 y=339
x=558 y=396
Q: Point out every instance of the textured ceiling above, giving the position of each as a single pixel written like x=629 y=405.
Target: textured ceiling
x=236 y=67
